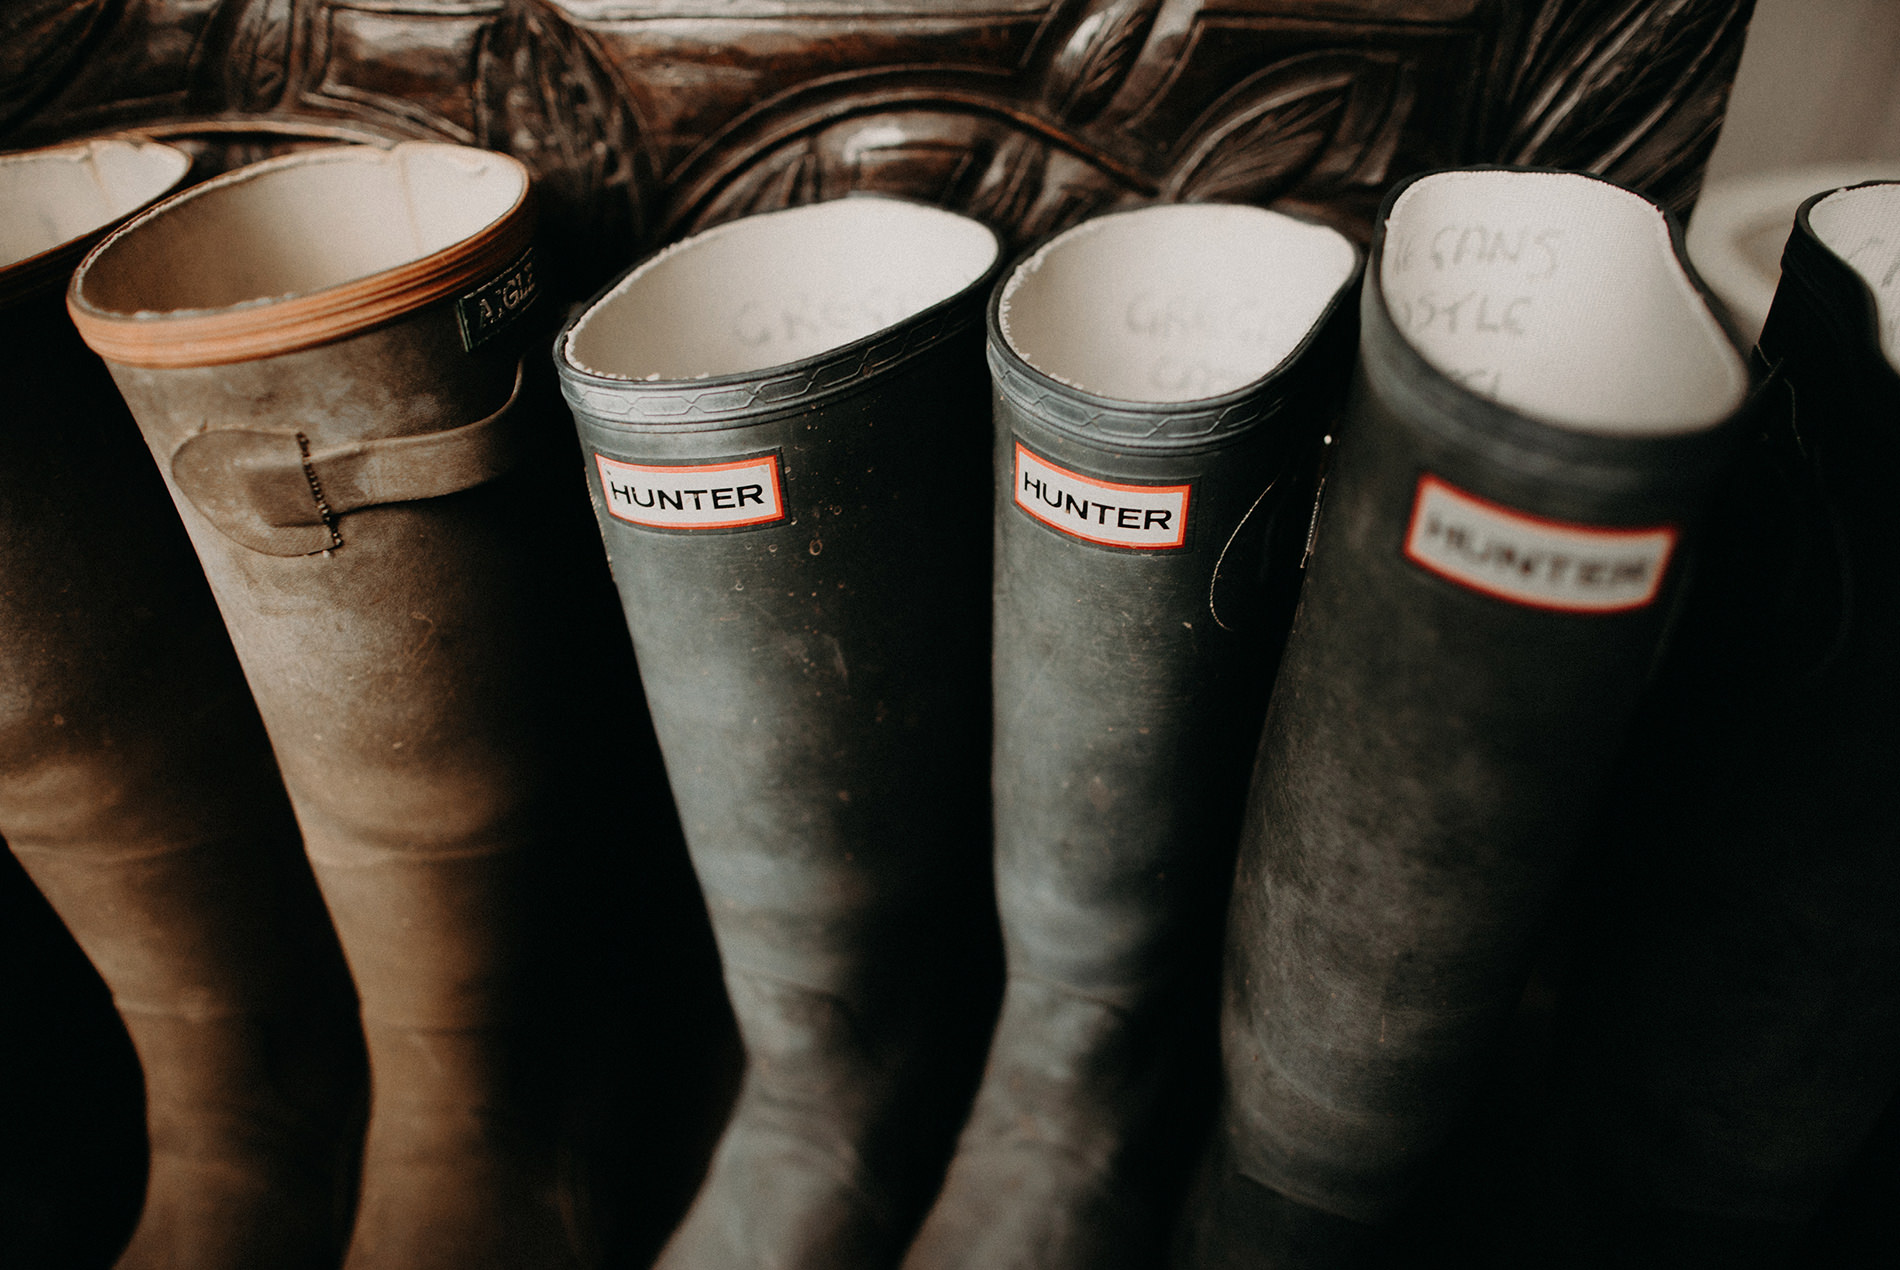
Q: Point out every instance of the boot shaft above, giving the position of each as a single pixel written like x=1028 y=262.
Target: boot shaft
x=1516 y=493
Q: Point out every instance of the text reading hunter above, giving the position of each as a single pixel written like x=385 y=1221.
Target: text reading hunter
x=1145 y=517
x=703 y=496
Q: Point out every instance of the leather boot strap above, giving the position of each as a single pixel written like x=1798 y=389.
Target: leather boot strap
x=272 y=493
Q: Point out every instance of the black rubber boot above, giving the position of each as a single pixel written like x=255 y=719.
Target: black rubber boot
x=1163 y=378
x=1543 y=404
x=785 y=420
x=1737 y=1032
x=136 y=785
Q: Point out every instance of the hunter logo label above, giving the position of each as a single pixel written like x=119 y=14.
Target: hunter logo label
x=498 y=302
x=709 y=496
x=1138 y=517
x=1546 y=564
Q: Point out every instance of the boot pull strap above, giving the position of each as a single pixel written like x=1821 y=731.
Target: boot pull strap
x=271 y=492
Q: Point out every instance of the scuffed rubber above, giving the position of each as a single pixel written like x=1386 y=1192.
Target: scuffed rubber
x=1487 y=594
x=800 y=547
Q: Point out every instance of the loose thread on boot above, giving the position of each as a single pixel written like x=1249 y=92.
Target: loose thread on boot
x=1213 y=582
x=316 y=492
x=1319 y=497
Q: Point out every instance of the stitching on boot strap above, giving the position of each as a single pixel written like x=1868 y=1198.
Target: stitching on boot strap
x=273 y=493
x=316 y=491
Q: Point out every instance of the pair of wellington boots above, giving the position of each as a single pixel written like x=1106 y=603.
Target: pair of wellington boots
x=1735 y=1033
x=1544 y=408
x=787 y=421
x=324 y=353
x=136 y=786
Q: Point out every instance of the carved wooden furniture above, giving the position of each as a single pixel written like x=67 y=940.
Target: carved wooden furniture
x=646 y=119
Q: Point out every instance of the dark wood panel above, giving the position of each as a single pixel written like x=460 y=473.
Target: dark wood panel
x=645 y=119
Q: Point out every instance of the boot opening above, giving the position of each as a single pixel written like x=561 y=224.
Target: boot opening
x=1560 y=296
x=1861 y=225
x=290 y=227
x=1173 y=303
x=780 y=287
x=53 y=196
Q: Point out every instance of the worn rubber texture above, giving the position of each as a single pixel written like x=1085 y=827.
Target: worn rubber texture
x=138 y=791
x=1432 y=749
x=1238 y=1224
x=411 y=681
x=1737 y=1028
x=1128 y=684
x=817 y=683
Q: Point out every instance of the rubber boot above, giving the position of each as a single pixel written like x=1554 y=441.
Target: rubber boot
x=1163 y=379
x=1738 y=1028
x=786 y=421
x=136 y=786
x=1543 y=404
x=324 y=354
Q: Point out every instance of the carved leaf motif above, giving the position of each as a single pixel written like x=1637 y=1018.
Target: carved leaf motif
x=1031 y=189
x=983 y=163
x=547 y=98
x=1011 y=183
x=1094 y=61
x=1634 y=90
x=257 y=67
x=789 y=176
x=40 y=41
x=1264 y=146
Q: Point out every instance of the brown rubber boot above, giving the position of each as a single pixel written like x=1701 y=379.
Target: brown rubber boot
x=324 y=352
x=137 y=787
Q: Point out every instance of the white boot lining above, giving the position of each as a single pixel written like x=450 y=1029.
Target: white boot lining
x=1558 y=296
x=779 y=287
x=1862 y=227
x=1173 y=303
x=50 y=197
x=297 y=228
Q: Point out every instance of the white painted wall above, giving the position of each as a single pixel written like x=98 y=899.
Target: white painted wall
x=1816 y=105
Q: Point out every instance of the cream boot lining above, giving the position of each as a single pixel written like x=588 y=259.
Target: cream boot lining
x=1862 y=227
x=299 y=228
x=1558 y=296
x=779 y=287
x=1172 y=303
x=50 y=197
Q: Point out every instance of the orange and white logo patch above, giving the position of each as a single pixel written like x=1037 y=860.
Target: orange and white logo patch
x=699 y=496
x=1532 y=560
x=1139 y=517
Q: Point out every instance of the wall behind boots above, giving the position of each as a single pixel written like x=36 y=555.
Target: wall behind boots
x=646 y=119
x=1816 y=105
